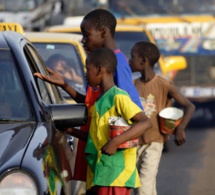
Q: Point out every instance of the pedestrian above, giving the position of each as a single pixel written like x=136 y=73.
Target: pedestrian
x=156 y=94
x=110 y=170
x=98 y=30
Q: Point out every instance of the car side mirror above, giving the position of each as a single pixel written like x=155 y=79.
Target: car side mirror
x=69 y=115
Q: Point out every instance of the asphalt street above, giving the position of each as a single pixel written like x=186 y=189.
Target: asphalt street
x=190 y=169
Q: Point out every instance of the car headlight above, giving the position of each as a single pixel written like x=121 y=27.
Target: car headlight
x=18 y=183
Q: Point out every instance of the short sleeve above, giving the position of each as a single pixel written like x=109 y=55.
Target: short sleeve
x=126 y=107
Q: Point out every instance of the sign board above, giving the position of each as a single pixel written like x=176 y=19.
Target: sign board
x=12 y=27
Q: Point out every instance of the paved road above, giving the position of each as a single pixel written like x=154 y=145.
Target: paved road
x=190 y=169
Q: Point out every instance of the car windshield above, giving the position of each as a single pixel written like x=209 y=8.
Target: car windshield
x=13 y=102
x=21 y=5
x=64 y=59
x=164 y=7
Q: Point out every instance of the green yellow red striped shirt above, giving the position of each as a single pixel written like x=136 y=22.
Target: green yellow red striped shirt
x=118 y=169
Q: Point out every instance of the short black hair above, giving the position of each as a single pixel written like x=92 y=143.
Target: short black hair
x=148 y=50
x=104 y=57
x=53 y=59
x=102 y=18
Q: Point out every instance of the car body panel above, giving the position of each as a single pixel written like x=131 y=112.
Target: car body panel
x=10 y=135
x=31 y=143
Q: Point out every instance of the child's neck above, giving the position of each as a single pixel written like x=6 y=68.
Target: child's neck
x=106 y=85
x=147 y=76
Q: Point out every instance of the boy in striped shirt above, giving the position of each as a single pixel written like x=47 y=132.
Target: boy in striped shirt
x=111 y=170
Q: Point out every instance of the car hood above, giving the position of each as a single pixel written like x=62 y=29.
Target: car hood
x=14 y=138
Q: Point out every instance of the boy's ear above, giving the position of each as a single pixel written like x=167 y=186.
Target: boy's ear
x=143 y=60
x=104 y=31
x=99 y=69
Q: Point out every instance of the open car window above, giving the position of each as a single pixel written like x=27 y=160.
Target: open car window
x=64 y=59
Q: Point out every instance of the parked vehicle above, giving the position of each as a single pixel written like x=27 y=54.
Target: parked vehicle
x=35 y=157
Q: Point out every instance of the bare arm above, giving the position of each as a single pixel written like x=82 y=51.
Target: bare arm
x=141 y=124
x=189 y=108
x=76 y=77
x=58 y=80
x=77 y=133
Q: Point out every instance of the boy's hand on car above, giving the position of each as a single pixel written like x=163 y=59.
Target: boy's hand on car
x=180 y=137
x=110 y=147
x=54 y=78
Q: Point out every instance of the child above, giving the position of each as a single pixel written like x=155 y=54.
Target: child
x=98 y=29
x=111 y=171
x=156 y=94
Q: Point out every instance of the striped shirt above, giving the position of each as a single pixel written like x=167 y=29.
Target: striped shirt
x=118 y=169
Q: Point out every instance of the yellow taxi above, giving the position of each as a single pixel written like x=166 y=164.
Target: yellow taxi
x=62 y=53
x=11 y=26
x=126 y=36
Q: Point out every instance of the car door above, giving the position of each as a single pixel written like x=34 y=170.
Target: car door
x=56 y=141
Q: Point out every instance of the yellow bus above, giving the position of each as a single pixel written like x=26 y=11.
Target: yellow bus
x=184 y=28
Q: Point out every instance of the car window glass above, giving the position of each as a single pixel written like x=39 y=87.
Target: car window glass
x=64 y=59
x=47 y=92
x=13 y=101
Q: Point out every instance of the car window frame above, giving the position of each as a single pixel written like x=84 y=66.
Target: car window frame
x=36 y=64
x=78 y=60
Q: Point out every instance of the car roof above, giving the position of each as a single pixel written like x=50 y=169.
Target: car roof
x=53 y=37
x=11 y=40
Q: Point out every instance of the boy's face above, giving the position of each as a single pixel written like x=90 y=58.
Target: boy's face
x=92 y=74
x=92 y=38
x=135 y=61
